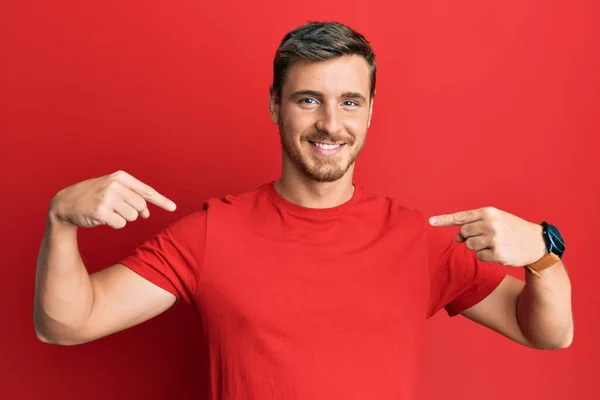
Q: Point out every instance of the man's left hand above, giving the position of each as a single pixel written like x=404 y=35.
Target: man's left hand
x=496 y=236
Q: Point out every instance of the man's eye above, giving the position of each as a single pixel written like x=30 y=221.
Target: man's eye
x=350 y=103
x=307 y=101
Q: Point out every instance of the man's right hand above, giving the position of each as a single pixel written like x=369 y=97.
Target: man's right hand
x=112 y=200
x=71 y=306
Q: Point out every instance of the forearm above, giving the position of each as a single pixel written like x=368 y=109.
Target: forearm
x=63 y=289
x=544 y=308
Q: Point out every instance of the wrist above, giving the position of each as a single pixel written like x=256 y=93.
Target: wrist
x=532 y=275
x=554 y=248
x=56 y=225
x=539 y=249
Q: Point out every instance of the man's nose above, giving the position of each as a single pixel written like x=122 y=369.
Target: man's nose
x=329 y=120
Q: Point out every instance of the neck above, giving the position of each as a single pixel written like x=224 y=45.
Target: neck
x=303 y=191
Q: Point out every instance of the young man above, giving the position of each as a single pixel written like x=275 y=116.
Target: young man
x=309 y=287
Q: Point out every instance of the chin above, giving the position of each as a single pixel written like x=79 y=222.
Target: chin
x=325 y=173
x=323 y=178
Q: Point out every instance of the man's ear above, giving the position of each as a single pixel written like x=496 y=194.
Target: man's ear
x=371 y=110
x=274 y=105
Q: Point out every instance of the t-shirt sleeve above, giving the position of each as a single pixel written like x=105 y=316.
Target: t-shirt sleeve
x=172 y=258
x=459 y=280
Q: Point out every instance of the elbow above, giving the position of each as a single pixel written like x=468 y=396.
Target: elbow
x=44 y=338
x=41 y=337
x=55 y=340
x=567 y=340
x=42 y=334
x=560 y=343
x=52 y=336
x=38 y=325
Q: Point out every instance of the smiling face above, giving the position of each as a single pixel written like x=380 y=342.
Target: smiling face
x=323 y=114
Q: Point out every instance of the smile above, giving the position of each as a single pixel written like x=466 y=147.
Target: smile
x=327 y=149
x=327 y=146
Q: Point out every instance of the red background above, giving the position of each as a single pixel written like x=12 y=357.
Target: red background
x=479 y=103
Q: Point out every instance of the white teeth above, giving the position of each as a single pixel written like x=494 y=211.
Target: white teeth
x=327 y=146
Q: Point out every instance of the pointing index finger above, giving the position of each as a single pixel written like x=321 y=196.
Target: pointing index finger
x=458 y=218
x=147 y=192
x=158 y=199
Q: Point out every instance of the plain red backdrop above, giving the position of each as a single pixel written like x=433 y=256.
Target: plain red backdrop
x=478 y=103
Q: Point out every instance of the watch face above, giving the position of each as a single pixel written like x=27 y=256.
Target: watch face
x=556 y=240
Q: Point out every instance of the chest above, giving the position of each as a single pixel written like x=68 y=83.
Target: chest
x=294 y=285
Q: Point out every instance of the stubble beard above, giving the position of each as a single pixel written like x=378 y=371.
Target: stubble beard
x=320 y=169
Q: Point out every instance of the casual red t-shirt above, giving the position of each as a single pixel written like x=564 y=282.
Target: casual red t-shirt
x=301 y=303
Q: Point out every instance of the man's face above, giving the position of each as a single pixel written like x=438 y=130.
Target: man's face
x=323 y=115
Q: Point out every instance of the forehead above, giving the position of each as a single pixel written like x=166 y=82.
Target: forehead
x=334 y=76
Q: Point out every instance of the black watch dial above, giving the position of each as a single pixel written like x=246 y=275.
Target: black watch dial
x=554 y=240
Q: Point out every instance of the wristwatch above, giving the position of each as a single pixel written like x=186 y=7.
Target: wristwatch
x=555 y=246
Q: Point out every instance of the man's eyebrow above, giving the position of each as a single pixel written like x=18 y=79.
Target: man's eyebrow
x=354 y=95
x=314 y=93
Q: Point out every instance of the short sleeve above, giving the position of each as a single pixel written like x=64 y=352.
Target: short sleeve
x=459 y=280
x=172 y=258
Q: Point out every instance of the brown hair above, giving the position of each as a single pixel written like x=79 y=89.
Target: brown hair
x=320 y=41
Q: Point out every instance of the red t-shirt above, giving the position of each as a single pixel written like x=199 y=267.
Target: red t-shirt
x=301 y=303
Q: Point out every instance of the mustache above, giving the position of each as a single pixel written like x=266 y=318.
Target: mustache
x=325 y=138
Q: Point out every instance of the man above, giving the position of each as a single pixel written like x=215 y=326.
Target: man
x=309 y=287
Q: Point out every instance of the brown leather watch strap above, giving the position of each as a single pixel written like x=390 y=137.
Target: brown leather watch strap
x=545 y=262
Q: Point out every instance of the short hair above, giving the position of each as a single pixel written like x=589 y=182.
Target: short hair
x=320 y=41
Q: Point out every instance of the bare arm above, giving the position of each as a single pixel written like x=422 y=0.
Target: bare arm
x=544 y=308
x=72 y=307
x=536 y=313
